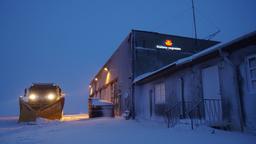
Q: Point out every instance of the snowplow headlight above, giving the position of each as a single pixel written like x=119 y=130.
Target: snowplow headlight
x=32 y=97
x=51 y=96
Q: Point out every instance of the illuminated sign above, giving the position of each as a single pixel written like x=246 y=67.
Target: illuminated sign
x=168 y=45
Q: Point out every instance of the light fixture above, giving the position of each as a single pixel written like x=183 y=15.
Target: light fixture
x=32 y=97
x=106 y=69
x=96 y=79
x=90 y=86
x=51 y=96
x=91 y=91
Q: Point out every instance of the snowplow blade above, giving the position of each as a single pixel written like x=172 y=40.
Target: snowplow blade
x=53 y=111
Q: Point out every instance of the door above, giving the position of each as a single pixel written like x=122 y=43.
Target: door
x=116 y=98
x=249 y=92
x=211 y=94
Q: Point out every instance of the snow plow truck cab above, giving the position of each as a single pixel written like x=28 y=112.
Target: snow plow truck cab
x=41 y=100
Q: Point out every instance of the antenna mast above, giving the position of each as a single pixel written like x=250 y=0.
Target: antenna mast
x=194 y=20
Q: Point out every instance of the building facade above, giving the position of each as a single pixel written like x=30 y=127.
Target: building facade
x=140 y=52
x=216 y=87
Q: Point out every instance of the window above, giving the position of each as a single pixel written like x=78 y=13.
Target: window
x=251 y=60
x=160 y=93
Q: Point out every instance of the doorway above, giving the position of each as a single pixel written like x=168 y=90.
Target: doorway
x=211 y=94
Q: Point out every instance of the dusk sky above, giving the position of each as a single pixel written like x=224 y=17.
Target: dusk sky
x=67 y=41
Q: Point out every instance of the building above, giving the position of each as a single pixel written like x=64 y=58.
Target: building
x=139 y=53
x=216 y=87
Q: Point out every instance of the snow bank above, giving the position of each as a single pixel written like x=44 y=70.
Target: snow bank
x=42 y=121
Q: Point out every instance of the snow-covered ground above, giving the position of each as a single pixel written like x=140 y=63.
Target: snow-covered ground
x=111 y=131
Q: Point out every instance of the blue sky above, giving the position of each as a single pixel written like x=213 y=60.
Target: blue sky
x=67 y=41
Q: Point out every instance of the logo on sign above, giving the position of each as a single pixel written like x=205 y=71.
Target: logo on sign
x=168 y=44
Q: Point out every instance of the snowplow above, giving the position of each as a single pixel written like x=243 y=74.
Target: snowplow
x=41 y=100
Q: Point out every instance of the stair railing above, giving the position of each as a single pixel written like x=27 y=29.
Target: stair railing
x=172 y=115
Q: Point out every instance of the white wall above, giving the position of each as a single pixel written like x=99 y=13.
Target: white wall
x=248 y=98
x=193 y=89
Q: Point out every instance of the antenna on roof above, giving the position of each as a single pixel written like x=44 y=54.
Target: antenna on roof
x=194 y=20
x=211 y=36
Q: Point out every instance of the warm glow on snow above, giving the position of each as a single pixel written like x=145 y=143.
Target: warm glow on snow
x=74 y=117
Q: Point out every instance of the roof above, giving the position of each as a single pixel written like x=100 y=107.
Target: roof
x=127 y=39
x=41 y=86
x=196 y=56
x=172 y=35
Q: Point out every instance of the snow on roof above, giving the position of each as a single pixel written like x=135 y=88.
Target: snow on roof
x=194 y=56
x=99 y=102
x=145 y=75
x=179 y=62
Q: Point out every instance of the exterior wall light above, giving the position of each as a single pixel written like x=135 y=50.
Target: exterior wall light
x=96 y=79
x=91 y=91
x=106 y=69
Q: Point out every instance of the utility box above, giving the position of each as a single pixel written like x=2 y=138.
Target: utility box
x=100 y=108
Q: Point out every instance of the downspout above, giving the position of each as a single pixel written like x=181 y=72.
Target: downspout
x=235 y=70
x=133 y=71
x=182 y=96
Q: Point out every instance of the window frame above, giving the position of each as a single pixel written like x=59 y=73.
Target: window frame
x=249 y=76
x=160 y=96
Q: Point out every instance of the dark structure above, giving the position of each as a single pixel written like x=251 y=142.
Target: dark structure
x=140 y=52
